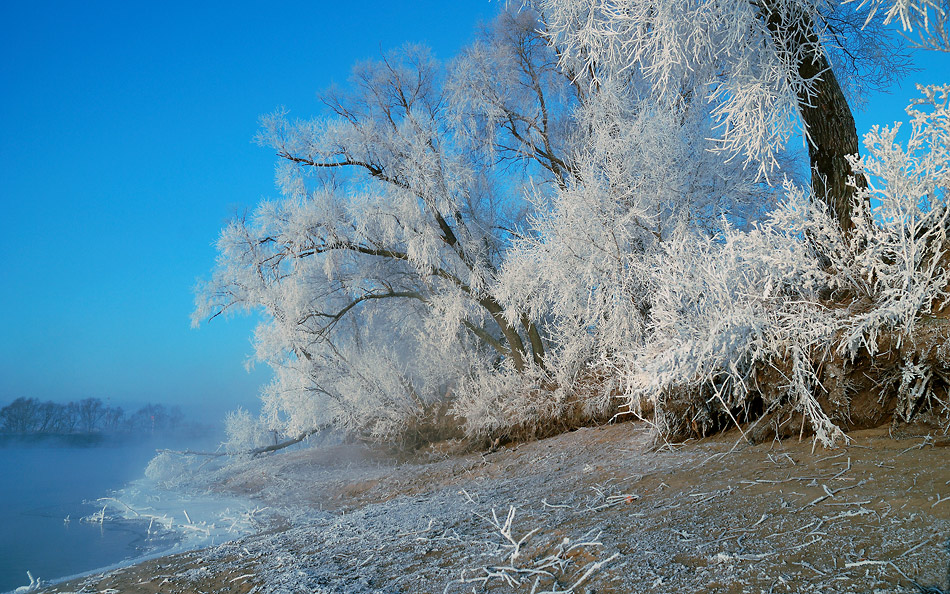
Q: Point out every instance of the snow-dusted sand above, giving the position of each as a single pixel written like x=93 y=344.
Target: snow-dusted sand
x=599 y=510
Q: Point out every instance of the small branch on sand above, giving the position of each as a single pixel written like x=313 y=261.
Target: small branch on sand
x=915 y=547
x=832 y=493
x=869 y=562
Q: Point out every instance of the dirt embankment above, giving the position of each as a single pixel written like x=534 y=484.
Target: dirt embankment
x=600 y=510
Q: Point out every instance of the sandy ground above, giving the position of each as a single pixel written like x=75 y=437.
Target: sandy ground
x=598 y=510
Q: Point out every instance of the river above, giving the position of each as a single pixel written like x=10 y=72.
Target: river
x=45 y=487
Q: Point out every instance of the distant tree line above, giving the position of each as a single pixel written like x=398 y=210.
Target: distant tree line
x=90 y=415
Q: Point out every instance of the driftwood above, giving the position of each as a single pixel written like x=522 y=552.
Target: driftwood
x=253 y=452
x=191 y=452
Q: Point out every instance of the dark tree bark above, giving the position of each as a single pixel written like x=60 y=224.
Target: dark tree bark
x=825 y=112
x=832 y=136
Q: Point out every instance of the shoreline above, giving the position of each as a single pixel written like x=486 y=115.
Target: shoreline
x=170 y=523
x=708 y=516
x=107 y=569
x=140 y=575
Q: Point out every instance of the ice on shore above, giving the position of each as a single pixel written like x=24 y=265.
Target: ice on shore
x=180 y=519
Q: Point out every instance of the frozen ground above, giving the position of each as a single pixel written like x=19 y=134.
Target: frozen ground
x=595 y=510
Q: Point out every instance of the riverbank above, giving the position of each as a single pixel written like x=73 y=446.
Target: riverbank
x=596 y=508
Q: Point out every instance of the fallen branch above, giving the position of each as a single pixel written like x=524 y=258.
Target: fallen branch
x=869 y=562
x=252 y=452
x=832 y=493
x=191 y=452
x=284 y=444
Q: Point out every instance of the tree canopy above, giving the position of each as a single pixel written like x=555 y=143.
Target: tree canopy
x=593 y=209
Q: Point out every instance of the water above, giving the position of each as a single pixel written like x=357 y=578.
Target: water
x=44 y=483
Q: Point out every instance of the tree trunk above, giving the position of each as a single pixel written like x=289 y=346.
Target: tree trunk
x=833 y=135
x=534 y=337
x=516 y=348
x=826 y=114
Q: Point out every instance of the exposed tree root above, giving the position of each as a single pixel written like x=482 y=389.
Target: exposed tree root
x=907 y=381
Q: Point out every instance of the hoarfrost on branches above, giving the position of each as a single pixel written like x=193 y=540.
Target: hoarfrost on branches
x=900 y=245
x=587 y=267
x=728 y=306
x=581 y=210
x=767 y=69
x=375 y=271
x=927 y=18
x=244 y=432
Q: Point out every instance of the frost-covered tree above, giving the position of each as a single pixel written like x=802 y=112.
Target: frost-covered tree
x=642 y=175
x=376 y=269
x=581 y=209
x=924 y=22
x=762 y=321
x=767 y=67
x=662 y=281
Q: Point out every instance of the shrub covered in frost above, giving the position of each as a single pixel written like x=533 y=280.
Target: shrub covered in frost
x=795 y=315
x=245 y=432
x=170 y=470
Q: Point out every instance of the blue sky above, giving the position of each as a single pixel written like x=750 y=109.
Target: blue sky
x=125 y=144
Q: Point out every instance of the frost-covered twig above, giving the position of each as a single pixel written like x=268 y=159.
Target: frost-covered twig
x=543 y=564
x=590 y=571
x=35 y=584
x=505 y=531
x=866 y=562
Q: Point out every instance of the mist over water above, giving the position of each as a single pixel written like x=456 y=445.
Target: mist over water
x=44 y=481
